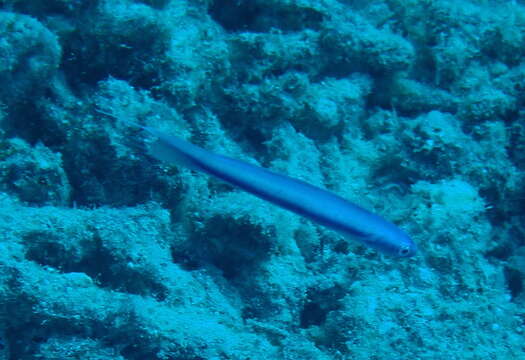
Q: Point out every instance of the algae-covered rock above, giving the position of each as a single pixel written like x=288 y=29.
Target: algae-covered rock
x=411 y=109
x=30 y=56
x=33 y=174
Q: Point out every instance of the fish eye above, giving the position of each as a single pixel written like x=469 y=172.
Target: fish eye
x=404 y=251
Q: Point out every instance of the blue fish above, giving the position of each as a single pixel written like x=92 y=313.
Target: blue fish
x=311 y=202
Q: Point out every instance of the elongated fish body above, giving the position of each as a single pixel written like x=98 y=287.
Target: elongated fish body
x=314 y=203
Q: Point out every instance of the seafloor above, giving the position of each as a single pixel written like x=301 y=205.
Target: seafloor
x=413 y=109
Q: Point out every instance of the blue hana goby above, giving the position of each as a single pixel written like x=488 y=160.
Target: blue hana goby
x=316 y=204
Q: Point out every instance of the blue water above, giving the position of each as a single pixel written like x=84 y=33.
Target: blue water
x=412 y=109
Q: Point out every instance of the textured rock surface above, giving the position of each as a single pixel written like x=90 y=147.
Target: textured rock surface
x=413 y=109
